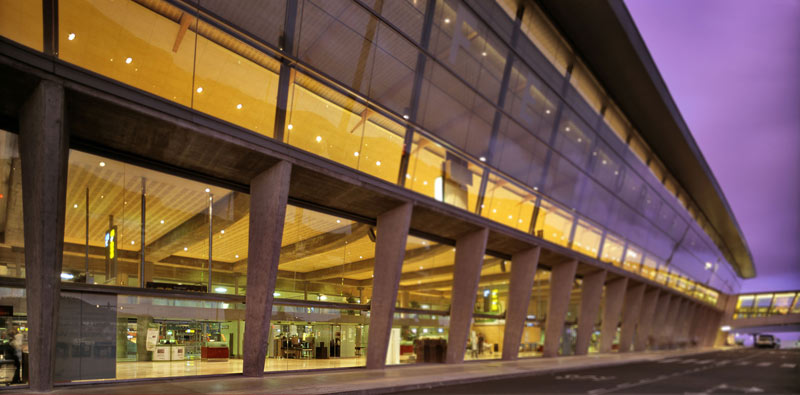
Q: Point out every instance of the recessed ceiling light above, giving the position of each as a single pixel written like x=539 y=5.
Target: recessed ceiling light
x=74 y=206
x=482 y=158
x=484 y=53
x=162 y=221
x=290 y=126
x=355 y=153
x=186 y=248
x=405 y=116
x=71 y=36
x=199 y=89
x=236 y=256
x=208 y=190
x=446 y=20
x=238 y=106
x=378 y=163
x=102 y=164
x=222 y=231
x=128 y=60
x=319 y=138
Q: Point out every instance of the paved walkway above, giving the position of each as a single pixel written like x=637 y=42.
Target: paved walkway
x=409 y=377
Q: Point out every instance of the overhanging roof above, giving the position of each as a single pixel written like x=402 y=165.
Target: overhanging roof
x=606 y=38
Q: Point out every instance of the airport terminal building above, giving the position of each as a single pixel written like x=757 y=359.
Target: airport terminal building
x=207 y=187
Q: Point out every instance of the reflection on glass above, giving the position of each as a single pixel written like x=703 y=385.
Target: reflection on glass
x=336 y=127
x=417 y=338
x=132 y=42
x=533 y=332
x=612 y=250
x=587 y=238
x=486 y=334
x=21 y=21
x=649 y=266
x=124 y=335
x=325 y=258
x=633 y=258
x=12 y=263
x=435 y=172
x=553 y=223
x=316 y=338
x=16 y=322
x=508 y=204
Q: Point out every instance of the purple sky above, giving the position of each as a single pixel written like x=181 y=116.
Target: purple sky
x=733 y=68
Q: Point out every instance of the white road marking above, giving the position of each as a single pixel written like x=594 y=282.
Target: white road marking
x=723 y=362
x=669 y=360
x=685 y=361
x=705 y=361
x=763 y=364
x=577 y=377
x=789 y=365
x=743 y=363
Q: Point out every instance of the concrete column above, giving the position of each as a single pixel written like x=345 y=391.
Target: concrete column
x=390 y=249
x=662 y=311
x=469 y=259
x=44 y=152
x=670 y=323
x=630 y=317
x=701 y=323
x=713 y=328
x=687 y=325
x=680 y=322
x=561 y=278
x=615 y=296
x=269 y=192
x=646 y=317
x=591 y=296
x=523 y=270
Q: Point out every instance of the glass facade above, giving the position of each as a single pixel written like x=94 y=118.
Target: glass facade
x=766 y=305
x=423 y=95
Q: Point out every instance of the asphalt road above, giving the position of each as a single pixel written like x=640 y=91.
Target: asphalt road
x=721 y=372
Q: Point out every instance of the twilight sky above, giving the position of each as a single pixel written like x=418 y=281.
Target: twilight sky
x=733 y=68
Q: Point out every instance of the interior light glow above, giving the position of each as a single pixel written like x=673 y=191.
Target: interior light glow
x=355 y=153
x=238 y=106
x=74 y=206
x=482 y=158
x=446 y=20
x=67 y=276
x=128 y=60
x=547 y=111
x=221 y=289
x=405 y=116
x=725 y=328
x=378 y=163
x=199 y=89
x=162 y=221
x=323 y=297
x=102 y=164
x=133 y=242
x=438 y=189
x=222 y=231
x=186 y=248
x=71 y=36
x=290 y=127
x=236 y=256
x=319 y=138
x=276 y=294
x=208 y=190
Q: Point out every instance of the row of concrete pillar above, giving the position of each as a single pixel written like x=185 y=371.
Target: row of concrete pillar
x=651 y=317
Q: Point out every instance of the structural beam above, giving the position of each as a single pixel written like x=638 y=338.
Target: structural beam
x=523 y=271
x=469 y=258
x=561 y=279
x=591 y=296
x=669 y=324
x=390 y=249
x=615 y=297
x=646 y=317
x=630 y=317
x=44 y=151
x=269 y=192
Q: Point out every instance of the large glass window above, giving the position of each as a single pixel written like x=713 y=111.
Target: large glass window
x=21 y=21
x=14 y=330
x=539 y=30
x=587 y=238
x=488 y=325
x=633 y=258
x=612 y=250
x=533 y=333
x=336 y=127
x=508 y=204
x=12 y=242
x=553 y=223
x=418 y=338
x=436 y=172
x=325 y=258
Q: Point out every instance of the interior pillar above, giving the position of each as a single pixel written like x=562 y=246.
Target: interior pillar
x=561 y=279
x=591 y=296
x=44 y=152
x=269 y=192
x=630 y=317
x=615 y=297
x=469 y=259
x=523 y=271
x=648 y=312
x=390 y=249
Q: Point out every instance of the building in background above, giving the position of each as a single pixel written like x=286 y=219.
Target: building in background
x=384 y=182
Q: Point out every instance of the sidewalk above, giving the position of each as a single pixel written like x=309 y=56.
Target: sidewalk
x=362 y=381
